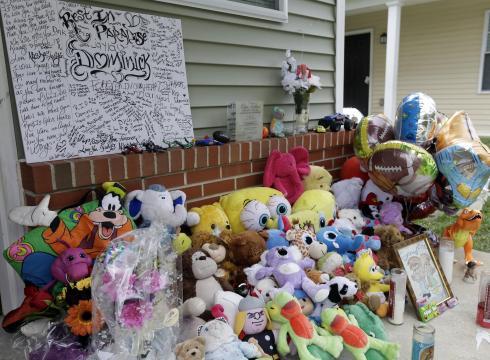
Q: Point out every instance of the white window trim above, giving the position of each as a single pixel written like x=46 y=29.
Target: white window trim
x=236 y=8
x=483 y=51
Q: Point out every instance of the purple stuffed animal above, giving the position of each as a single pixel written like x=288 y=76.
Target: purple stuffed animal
x=71 y=265
x=287 y=271
x=391 y=214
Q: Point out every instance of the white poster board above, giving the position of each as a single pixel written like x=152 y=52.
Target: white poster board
x=89 y=81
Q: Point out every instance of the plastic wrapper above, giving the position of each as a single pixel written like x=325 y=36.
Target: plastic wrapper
x=43 y=339
x=136 y=291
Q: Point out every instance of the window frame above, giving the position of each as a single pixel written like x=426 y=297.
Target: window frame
x=485 y=38
x=236 y=8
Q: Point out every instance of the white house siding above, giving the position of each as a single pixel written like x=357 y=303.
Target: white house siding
x=232 y=57
x=440 y=47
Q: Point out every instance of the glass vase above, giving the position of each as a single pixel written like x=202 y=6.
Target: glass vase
x=301 y=111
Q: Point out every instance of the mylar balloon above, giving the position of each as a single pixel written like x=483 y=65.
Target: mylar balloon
x=417 y=119
x=371 y=131
x=463 y=159
x=401 y=168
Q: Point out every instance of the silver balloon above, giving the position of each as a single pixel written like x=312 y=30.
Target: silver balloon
x=417 y=119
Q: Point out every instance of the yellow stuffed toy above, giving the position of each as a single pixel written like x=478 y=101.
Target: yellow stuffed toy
x=320 y=201
x=210 y=219
x=370 y=275
x=254 y=208
x=319 y=178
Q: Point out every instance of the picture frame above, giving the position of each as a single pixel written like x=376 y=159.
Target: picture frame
x=427 y=285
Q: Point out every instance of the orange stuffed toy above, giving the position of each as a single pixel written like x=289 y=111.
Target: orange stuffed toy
x=462 y=231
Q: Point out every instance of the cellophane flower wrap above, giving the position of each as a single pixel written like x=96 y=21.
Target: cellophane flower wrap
x=136 y=289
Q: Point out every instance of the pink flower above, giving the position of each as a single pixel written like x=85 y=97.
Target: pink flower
x=152 y=282
x=135 y=312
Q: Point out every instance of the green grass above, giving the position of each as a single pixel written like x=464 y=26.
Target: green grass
x=439 y=221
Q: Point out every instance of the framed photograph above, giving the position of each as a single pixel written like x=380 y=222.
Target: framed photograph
x=426 y=281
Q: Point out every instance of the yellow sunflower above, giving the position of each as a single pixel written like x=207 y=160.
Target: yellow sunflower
x=79 y=319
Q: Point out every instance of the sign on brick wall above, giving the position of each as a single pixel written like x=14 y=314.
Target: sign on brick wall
x=89 y=81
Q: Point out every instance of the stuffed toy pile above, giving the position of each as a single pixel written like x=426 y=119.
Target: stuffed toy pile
x=298 y=266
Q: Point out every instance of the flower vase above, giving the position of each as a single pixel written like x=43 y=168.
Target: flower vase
x=301 y=113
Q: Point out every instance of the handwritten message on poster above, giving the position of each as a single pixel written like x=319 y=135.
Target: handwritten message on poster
x=90 y=81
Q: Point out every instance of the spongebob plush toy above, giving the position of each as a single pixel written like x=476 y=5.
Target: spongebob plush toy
x=315 y=207
x=254 y=208
x=318 y=178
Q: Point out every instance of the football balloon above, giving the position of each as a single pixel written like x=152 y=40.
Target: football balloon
x=371 y=131
x=401 y=168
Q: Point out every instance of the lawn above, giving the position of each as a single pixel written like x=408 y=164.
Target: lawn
x=439 y=221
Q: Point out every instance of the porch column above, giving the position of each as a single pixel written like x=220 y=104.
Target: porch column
x=392 y=46
x=339 y=55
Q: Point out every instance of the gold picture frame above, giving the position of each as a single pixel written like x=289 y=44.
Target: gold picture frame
x=425 y=278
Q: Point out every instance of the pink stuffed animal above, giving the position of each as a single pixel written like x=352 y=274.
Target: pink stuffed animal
x=391 y=214
x=73 y=264
x=284 y=171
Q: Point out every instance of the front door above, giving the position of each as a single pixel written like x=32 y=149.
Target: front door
x=356 y=71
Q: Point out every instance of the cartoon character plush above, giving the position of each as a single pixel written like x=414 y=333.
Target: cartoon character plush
x=252 y=323
x=340 y=243
x=370 y=276
x=208 y=219
x=320 y=201
x=355 y=340
x=463 y=230
x=192 y=349
x=371 y=188
x=93 y=232
x=71 y=265
x=347 y=193
x=283 y=171
x=277 y=125
x=305 y=240
x=222 y=343
x=349 y=220
x=391 y=214
x=275 y=237
x=198 y=270
x=307 y=306
x=370 y=210
x=285 y=310
x=370 y=323
x=157 y=204
x=254 y=208
x=329 y=294
x=287 y=271
x=318 y=178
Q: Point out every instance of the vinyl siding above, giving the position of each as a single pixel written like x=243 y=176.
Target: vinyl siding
x=232 y=57
x=440 y=54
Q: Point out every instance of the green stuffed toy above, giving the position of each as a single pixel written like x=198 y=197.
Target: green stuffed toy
x=370 y=323
x=356 y=341
x=285 y=310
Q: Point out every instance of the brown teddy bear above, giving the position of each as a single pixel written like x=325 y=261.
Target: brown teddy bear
x=192 y=349
x=389 y=235
x=244 y=250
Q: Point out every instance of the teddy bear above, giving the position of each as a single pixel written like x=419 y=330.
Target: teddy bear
x=222 y=343
x=198 y=269
x=209 y=219
x=350 y=220
x=286 y=269
x=347 y=193
x=192 y=349
x=391 y=214
x=389 y=236
x=318 y=178
x=244 y=250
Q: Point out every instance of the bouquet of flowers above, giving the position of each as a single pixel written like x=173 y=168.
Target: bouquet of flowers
x=299 y=81
x=136 y=291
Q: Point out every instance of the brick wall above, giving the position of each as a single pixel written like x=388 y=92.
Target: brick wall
x=204 y=173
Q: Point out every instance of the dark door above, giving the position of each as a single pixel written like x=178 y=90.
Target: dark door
x=356 y=72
